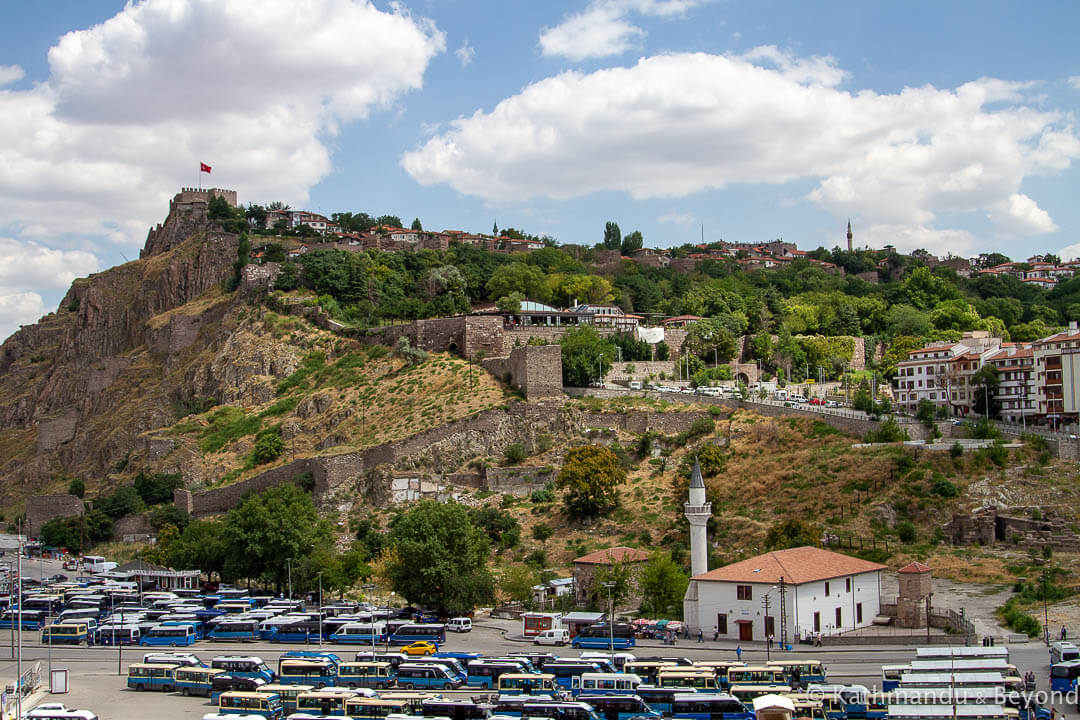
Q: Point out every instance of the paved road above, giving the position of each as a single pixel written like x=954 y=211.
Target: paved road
x=97 y=685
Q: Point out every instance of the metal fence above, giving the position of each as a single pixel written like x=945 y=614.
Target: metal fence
x=31 y=680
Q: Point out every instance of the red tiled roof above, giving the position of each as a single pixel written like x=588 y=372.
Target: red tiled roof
x=796 y=565
x=915 y=567
x=613 y=555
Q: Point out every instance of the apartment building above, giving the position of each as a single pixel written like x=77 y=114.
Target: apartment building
x=941 y=372
x=1018 y=392
x=1056 y=361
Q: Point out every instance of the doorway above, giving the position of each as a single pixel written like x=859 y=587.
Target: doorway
x=746 y=630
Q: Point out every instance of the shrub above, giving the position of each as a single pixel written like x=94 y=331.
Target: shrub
x=515 y=453
x=999 y=454
x=545 y=495
x=542 y=531
x=269 y=445
x=889 y=431
x=906 y=532
x=956 y=451
x=943 y=487
x=536 y=559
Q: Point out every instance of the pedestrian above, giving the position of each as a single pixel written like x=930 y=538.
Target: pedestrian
x=1063 y=633
x=738 y=653
x=715 y=633
x=700 y=636
x=770 y=640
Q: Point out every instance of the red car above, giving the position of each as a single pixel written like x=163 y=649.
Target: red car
x=817 y=401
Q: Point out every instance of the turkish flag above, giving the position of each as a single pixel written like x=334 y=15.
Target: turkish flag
x=203 y=167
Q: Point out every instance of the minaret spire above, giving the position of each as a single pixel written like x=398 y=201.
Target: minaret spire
x=850 y=235
x=698 y=511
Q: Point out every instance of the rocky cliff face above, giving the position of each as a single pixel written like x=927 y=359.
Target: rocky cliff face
x=95 y=359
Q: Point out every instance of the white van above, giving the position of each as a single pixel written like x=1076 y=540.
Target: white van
x=459 y=624
x=560 y=636
x=635 y=384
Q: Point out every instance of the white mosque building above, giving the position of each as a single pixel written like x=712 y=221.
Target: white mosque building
x=787 y=594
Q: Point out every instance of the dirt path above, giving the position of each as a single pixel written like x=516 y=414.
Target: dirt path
x=977 y=601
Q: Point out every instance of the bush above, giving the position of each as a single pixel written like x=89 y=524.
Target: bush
x=269 y=445
x=888 y=432
x=515 y=453
x=943 y=487
x=542 y=531
x=905 y=531
x=1018 y=620
x=999 y=454
x=546 y=495
x=986 y=430
x=956 y=451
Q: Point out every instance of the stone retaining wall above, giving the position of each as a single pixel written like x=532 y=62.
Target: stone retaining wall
x=40 y=509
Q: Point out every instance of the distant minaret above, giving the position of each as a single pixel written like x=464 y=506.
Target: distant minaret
x=698 y=512
x=849 y=236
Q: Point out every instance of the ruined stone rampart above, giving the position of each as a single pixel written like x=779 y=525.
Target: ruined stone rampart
x=40 y=509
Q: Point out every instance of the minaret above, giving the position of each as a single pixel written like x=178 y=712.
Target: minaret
x=850 y=235
x=698 y=512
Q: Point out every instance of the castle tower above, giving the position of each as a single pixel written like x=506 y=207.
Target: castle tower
x=698 y=512
x=850 y=235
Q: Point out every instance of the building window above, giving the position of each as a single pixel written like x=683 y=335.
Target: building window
x=826 y=588
x=858 y=613
x=817 y=622
x=744 y=592
x=721 y=623
x=847 y=584
x=839 y=618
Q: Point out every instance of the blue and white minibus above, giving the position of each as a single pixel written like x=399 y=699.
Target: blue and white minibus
x=608 y=683
x=243 y=666
x=71 y=633
x=432 y=632
x=452 y=664
x=287 y=693
x=378 y=675
x=517 y=683
x=318 y=672
x=195 y=680
x=322 y=702
x=151 y=676
x=171 y=634
x=485 y=673
x=229 y=629
x=456 y=709
x=265 y=705
x=661 y=699
x=300 y=631
x=568 y=672
x=619 y=637
x=358 y=633
x=559 y=710
x=618 y=707
x=416 y=675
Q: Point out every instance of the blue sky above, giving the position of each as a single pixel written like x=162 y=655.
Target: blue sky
x=948 y=126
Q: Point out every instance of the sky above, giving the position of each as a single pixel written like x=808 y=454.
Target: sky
x=945 y=126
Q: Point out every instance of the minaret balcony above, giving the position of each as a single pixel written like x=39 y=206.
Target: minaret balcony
x=697 y=509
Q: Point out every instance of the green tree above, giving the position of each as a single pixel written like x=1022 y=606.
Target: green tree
x=790 y=533
x=64 y=532
x=926 y=412
x=501 y=527
x=123 y=501
x=984 y=385
x=269 y=445
x=620 y=574
x=663 y=584
x=612 y=236
x=633 y=241
x=589 y=479
x=201 y=546
x=709 y=340
x=439 y=558
x=521 y=278
x=516 y=583
x=157 y=488
x=585 y=356
x=416 y=225
x=266 y=528
x=77 y=487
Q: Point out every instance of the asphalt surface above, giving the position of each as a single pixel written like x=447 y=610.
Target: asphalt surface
x=97 y=675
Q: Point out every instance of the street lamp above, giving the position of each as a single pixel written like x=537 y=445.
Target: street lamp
x=288 y=563
x=611 y=621
x=320 y=608
x=388 y=620
x=371 y=618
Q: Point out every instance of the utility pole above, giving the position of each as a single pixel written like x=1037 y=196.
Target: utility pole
x=288 y=563
x=320 y=609
x=928 y=596
x=18 y=656
x=783 y=612
x=768 y=645
x=611 y=621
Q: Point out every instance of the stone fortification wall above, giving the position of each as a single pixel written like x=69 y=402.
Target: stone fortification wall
x=221 y=499
x=642 y=370
x=40 y=509
x=517 y=480
x=133 y=528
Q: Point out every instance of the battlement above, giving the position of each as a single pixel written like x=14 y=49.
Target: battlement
x=194 y=196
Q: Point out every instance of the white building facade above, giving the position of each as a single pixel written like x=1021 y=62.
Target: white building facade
x=788 y=594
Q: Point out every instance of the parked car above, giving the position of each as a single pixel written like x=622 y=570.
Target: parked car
x=420 y=647
x=831 y=404
x=459 y=624
x=816 y=401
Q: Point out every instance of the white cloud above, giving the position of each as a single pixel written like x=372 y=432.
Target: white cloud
x=1069 y=252
x=256 y=88
x=10 y=74
x=672 y=125
x=602 y=30
x=31 y=266
x=1075 y=81
x=682 y=219
x=465 y=54
x=19 y=309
